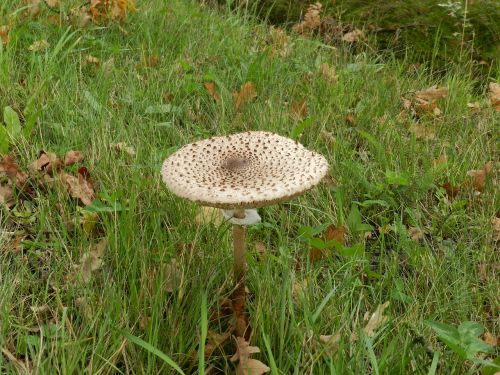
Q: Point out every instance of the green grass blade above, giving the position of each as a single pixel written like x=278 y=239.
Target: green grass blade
x=204 y=330
x=150 y=348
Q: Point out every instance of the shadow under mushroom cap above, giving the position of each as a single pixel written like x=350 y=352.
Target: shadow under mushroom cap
x=243 y=170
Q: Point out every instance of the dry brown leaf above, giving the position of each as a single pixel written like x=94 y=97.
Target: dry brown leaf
x=33 y=8
x=479 y=176
x=4 y=34
x=151 y=61
x=442 y=159
x=212 y=90
x=6 y=196
x=376 y=320
x=78 y=187
x=331 y=233
x=415 y=234
x=260 y=248
x=422 y=132
x=299 y=109
x=247 y=365
x=123 y=147
x=451 y=190
x=209 y=215
x=173 y=276
x=80 y=16
x=47 y=162
x=350 y=119
x=280 y=42
x=328 y=72
x=73 y=157
x=104 y=10
x=13 y=172
x=331 y=342
x=312 y=19
x=214 y=340
x=494 y=95
x=246 y=94
x=52 y=3
x=92 y=261
x=406 y=103
x=489 y=339
x=92 y=60
x=432 y=93
x=299 y=288
x=23 y=368
x=474 y=107
x=328 y=181
x=495 y=222
x=353 y=36
x=39 y=45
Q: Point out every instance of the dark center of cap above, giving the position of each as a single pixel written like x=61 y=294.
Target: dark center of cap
x=235 y=163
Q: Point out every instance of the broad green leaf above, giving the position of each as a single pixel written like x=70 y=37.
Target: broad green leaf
x=299 y=129
x=398 y=179
x=355 y=250
x=12 y=123
x=4 y=140
x=98 y=206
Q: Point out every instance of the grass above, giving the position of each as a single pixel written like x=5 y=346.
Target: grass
x=449 y=276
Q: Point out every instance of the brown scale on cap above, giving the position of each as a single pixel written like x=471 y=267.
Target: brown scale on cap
x=244 y=170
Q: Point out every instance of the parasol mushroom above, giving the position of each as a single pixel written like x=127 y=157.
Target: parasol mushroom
x=240 y=173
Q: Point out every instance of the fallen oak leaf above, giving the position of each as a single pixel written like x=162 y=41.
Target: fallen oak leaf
x=495 y=222
x=479 y=176
x=92 y=261
x=376 y=320
x=47 y=162
x=422 y=132
x=39 y=45
x=92 y=60
x=4 y=34
x=246 y=94
x=494 y=94
x=78 y=187
x=52 y=3
x=123 y=147
x=312 y=19
x=6 y=196
x=331 y=342
x=432 y=93
x=13 y=172
x=416 y=234
x=353 y=36
x=33 y=8
x=214 y=341
x=247 y=365
x=489 y=339
x=212 y=90
x=73 y=157
x=451 y=190
x=328 y=72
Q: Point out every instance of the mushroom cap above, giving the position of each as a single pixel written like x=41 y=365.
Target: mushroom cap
x=244 y=170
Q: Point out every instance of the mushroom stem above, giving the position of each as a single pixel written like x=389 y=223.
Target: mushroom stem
x=238 y=298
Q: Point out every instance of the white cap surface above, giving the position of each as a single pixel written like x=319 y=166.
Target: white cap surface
x=244 y=170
